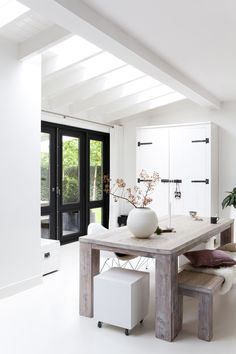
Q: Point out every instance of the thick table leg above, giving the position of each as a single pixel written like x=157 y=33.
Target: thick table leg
x=167 y=321
x=89 y=266
x=227 y=236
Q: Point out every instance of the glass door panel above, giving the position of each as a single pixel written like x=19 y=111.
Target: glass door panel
x=45 y=226
x=70 y=223
x=96 y=170
x=70 y=169
x=48 y=183
x=45 y=169
x=98 y=166
x=96 y=215
x=70 y=175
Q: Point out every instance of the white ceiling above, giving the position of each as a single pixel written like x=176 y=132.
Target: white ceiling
x=82 y=80
x=157 y=49
x=197 y=37
x=25 y=27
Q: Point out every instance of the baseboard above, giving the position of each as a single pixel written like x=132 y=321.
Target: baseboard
x=23 y=285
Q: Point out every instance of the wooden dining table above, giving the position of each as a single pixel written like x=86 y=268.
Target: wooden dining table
x=165 y=248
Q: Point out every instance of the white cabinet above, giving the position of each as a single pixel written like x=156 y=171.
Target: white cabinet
x=184 y=152
x=50 y=251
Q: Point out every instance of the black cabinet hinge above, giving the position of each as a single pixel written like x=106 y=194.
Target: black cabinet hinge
x=143 y=180
x=201 y=181
x=139 y=143
x=201 y=141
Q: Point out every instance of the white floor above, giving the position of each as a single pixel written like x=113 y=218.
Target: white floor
x=45 y=320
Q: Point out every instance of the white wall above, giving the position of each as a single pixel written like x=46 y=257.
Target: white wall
x=20 y=87
x=188 y=112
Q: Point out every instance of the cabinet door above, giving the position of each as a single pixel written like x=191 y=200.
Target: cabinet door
x=155 y=157
x=176 y=153
x=190 y=161
x=199 y=162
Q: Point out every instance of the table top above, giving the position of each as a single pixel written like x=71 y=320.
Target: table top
x=188 y=233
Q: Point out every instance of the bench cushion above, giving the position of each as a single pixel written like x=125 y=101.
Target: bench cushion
x=210 y=258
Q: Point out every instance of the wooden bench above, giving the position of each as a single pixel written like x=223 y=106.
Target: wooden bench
x=202 y=286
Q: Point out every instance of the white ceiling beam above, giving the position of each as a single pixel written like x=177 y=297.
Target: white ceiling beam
x=63 y=82
x=56 y=64
x=79 y=18
x=111 y=95
x=124 y=114
x=42 y=41
x=131 y=100
x=69 y=79
x=93 y=86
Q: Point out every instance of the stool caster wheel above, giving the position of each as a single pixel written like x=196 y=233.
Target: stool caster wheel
x=141 y=322
x=126 y=332
x=99 y=324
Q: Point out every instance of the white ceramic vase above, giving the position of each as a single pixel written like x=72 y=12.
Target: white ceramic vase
x=142 y=222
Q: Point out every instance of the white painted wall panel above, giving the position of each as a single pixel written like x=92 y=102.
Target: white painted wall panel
x=20 y=87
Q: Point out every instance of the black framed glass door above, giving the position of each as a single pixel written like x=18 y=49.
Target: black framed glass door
x=73 y=162
x=71 y=178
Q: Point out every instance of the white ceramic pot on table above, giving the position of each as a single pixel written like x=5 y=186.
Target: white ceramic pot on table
x=142 y=222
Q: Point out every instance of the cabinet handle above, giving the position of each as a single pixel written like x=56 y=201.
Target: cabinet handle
x=47 y=255
x=201 y=181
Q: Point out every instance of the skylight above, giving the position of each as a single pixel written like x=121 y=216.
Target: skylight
x=83 y=79
x=100 y=64
x=70 y=51
x=10 y=10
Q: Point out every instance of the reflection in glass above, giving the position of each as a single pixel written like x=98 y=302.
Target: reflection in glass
x=45 y=169
x=70 y=222
x=45 y=226
x=96 y=215
x=70 y=170
x=96 y=170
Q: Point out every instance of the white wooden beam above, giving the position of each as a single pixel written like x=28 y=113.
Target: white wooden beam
x=69 y=79
x=42 y=41
x=131 y=100
x=108 y=96
x=79 y=18
x=91 y=87
x=58 y=63
x=123 y=114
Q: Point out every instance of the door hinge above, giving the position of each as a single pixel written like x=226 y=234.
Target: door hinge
x=139 y=143
x=143 y=180
x=201 y=181
x=207 y=140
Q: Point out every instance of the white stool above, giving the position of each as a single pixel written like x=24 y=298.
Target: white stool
x=121 y=297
